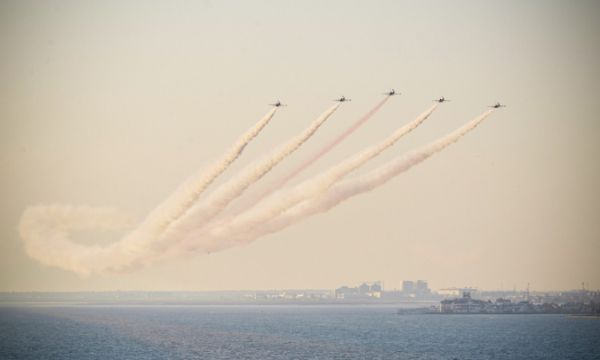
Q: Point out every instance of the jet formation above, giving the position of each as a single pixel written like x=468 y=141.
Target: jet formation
x=392 y=93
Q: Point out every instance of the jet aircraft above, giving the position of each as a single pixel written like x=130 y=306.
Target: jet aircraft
x=278 y=104
x=342 y=99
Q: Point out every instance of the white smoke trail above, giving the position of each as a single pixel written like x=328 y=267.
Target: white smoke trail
x=144 y=241
x=45 y=229
x=248 y=222
x=321 y=152
x=187 y=194
x=218 y=200
x=226 y=236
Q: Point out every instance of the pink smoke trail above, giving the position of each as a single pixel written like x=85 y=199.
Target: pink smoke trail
x=216 y=202
x=321 y=152
x=350 y=188
x=343 y=191
x=284 y=200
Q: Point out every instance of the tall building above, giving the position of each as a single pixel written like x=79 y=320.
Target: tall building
x=422 y=287
x=415 y=288
x=408 y=286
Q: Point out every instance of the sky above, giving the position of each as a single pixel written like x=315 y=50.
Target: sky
x=109 y=103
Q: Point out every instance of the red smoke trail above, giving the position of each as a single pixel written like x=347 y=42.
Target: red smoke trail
x=324 y=150
x=228 y=235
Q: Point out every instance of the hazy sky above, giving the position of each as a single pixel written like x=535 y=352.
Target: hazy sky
x=111 y=103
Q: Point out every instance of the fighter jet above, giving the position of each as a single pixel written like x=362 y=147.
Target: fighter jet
x=342 y=99
x=278 y=104
x=441 y=100
x=391 y=93
x=497 y=105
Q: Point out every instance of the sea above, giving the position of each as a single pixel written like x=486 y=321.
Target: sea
x=287 y=332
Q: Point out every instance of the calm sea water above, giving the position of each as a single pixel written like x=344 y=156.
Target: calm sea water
x=287 y=332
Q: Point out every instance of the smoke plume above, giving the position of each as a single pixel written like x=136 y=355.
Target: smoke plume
x=263 y=213
x=46 y=229
x=219 y=199
x=181 y=224
x=323 y=151
x=225 y=236
x=184 y=197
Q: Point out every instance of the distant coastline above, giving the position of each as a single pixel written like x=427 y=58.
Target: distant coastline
x=487 y=302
